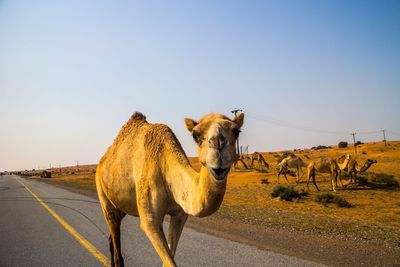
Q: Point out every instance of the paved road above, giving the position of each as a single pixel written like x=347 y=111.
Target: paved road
x=31 y=236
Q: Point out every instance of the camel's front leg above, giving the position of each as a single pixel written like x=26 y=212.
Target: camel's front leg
x=340 y=180
x=153 y=230
x=282 y=171
x=333 y=181
x=298 y=175
x=284 y=174
x=152 y=206
x=175 y=229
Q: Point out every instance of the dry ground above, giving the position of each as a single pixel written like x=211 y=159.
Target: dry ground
x=374 y=216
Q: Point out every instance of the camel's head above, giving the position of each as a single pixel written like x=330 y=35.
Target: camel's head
x=368 y=163
x=371 y=161
x=216 y=135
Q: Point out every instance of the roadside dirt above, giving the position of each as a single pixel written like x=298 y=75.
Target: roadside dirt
x=329 y=250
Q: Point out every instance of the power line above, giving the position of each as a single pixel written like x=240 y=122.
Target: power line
x=370 y=132
x=391 y=132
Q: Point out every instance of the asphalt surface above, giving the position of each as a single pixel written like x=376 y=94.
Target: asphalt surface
x=31 y=236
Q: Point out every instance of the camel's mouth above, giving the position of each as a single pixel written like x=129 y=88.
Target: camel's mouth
x=219 y=173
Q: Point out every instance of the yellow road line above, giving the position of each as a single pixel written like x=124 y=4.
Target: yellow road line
x=86 y=244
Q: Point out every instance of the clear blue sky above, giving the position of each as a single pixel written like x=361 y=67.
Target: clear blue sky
x=72 y=72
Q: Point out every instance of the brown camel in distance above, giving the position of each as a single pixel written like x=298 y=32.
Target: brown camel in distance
x=145 y=173
x=352 y=168
x=258 y=157
x=326 y=165
x=291 y=161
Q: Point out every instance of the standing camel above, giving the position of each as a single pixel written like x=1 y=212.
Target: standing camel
x=291 y=161
x=326 y=165
x=352 y=167
x=258 y=157
x=145 y=173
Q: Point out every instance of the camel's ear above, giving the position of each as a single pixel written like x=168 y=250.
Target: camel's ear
x=239 y=119
x=190 y=124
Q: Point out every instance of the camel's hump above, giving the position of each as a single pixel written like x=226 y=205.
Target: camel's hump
x=138 y=116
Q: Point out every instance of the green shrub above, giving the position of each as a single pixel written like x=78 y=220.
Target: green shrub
x=303 y=193
x=324 y=198
x=387 y=180
x=264 y=181
x=328 y=197
x=287 y=193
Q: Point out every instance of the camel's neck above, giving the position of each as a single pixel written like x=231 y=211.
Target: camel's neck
x=197 y=193
x=343 y=165
x=365 y=167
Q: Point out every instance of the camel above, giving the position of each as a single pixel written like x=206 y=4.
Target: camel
x=326 y=165
x=291 y=161
x=258 y=157
x=352 y=168
x=145 y=173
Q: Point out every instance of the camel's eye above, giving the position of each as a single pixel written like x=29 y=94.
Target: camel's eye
x=197 y=137
x=235 y=132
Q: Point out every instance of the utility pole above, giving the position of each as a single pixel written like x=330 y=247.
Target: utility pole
x=354 y=142
x=77 y=165
x=235 y=111
x=384 y=136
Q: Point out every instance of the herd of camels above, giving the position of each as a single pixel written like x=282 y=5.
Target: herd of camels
x=324 y=165
x=145 y=173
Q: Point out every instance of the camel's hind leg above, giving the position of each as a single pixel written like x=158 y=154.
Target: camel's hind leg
x=311 y=175
x=113 y=219
x=175 y=229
